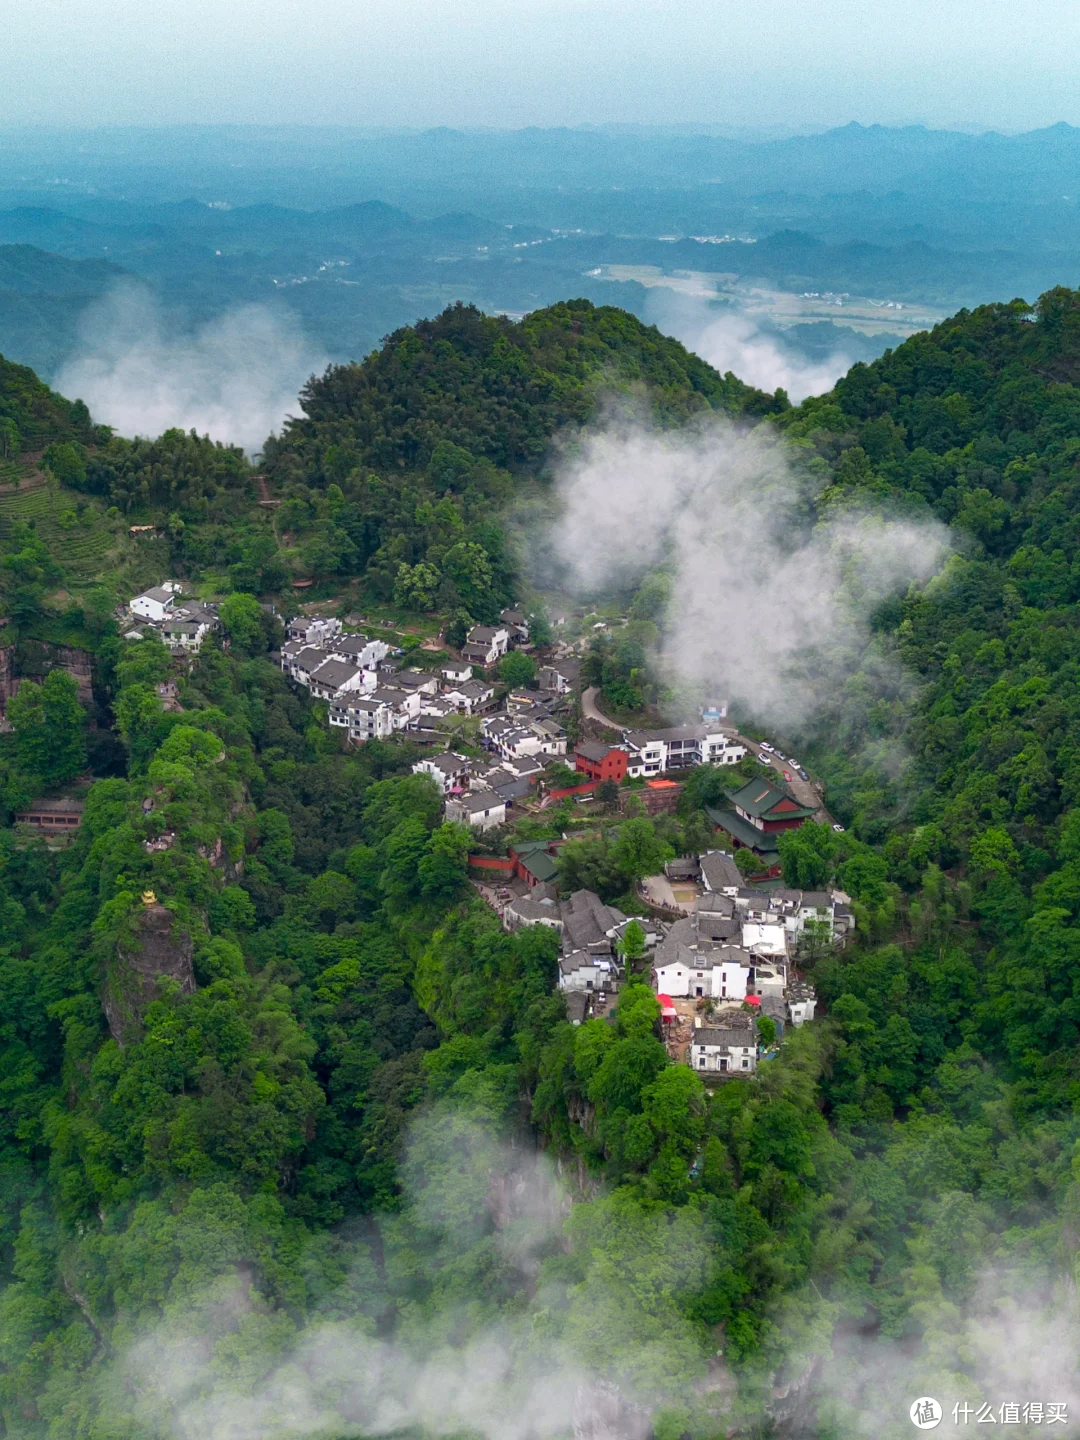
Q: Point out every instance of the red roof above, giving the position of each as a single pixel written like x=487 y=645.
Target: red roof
x=662 y=784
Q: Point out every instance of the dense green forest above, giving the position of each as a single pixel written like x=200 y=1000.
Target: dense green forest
x=309 y=1154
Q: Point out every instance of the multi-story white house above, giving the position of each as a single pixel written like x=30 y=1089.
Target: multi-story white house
x=720 y=748
x=482 y=809
x=155 y=604
x=724 y=1049
x=581 y=970
x=678 y=747
x=334 y=676
x=517 y=623
x=449 y=771
x=485 y=644
x=186 y=626
x=469 y=696
x=405 y=704
x=364 y=717
x=360 y=649
x=313 y=629
x=720 y=973
x=515 y=739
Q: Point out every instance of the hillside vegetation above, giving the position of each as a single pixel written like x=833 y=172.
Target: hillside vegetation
x=300 y=1131
x=400 y=474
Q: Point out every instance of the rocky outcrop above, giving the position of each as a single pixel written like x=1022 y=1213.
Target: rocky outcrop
x=792 y=1405
x=33 y=659
x=600 y=1412
x=8 y=683
x=152 y=951
x=36 y=658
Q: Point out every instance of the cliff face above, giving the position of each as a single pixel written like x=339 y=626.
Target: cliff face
x=33 y=659
x=7 y=675
x=152 y=953
x=36 y=658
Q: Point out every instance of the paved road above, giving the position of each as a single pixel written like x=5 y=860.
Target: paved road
x=805 y=791
x=591 y=710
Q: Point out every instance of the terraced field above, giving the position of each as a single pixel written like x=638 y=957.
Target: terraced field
x=86 y=549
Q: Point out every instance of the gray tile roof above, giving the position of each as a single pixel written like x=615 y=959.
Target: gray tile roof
x=477 y=801
x=724 y=1037
x=588 y=919
x=350 y=644
x=719 y=870
x=334 y=673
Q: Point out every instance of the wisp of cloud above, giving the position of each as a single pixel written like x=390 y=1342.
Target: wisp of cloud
x=768 y=609
x=235 y=378
x=450 y=1368
x=733 y=340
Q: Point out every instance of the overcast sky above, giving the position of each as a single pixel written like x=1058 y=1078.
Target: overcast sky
x=1012 y=64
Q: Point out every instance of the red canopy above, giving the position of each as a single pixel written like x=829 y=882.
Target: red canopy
x=753 y=999
x=667 y=1007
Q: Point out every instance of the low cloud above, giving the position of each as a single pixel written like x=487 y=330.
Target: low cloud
x=478 y=1212
x=731 y=339
x=236 y=378
x=484 y=1344
x=1004 y=1356
x=768 y=609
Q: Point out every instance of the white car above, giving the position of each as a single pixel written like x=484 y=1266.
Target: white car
x=779 y=754
x=762 y=759
x=766 y=747
x=839 y=829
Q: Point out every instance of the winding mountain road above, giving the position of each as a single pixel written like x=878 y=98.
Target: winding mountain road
x=592 y=711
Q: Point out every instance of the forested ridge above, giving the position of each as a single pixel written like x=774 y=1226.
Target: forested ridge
x=299 y=1132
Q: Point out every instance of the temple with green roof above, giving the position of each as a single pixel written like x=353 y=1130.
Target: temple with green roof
x=758 y=815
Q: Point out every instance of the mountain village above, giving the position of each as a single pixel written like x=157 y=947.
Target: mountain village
x=719 y=953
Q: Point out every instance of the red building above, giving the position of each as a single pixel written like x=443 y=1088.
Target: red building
x=760 y=812
x=601 y=762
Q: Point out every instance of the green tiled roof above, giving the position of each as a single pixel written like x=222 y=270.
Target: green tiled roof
x=541 y=866
x=739 y=829
x=759 y=797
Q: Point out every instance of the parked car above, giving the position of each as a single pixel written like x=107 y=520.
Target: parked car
x=839 y=829
x=802 y=774
x=762 y=759
x=779 y=755
x=787 y=774
x=766 y=747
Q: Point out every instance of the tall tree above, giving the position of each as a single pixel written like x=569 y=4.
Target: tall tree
x=50 y=728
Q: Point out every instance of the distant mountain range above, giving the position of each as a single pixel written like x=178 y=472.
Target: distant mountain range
x=356 y=233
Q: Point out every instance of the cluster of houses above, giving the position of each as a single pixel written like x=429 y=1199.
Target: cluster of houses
x=370 y=693
x=181 y=625
x=519 y=742
x=715 y=964
x=590 y=962
x=644 y=753
x=736 y=948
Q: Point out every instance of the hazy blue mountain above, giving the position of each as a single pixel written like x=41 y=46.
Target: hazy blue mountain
x=358 y=232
